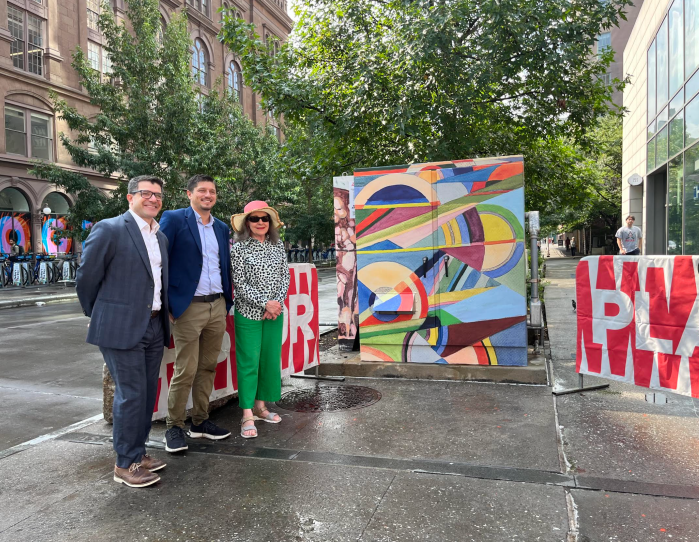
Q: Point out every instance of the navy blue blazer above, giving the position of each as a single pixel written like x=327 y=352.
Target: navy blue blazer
x=115 y=284
x=186 y=261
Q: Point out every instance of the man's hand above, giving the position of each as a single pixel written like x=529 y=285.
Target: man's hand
x=273 y=307
x=172 y=318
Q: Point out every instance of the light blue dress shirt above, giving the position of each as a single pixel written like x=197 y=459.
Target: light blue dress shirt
x=210 y=278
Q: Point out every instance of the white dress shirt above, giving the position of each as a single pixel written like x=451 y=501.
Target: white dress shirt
x=150 y=238
x=210 y=278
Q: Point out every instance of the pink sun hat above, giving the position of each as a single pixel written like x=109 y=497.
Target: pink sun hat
x=238 y=221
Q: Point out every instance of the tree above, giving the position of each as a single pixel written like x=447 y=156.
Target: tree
x=393 y=82
x=596 y=172
x=149 y=120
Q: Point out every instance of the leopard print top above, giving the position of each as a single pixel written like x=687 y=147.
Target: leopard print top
x=260 y=274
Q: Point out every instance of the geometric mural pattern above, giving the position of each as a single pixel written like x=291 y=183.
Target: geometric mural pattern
x=440 y=262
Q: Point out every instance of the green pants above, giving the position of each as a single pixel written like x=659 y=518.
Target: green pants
x=258 y=356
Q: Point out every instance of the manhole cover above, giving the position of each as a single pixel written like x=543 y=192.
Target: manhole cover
x=329 y=398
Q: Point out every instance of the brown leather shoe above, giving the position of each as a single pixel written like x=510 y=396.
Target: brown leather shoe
x=151 y=463
x=135 y=476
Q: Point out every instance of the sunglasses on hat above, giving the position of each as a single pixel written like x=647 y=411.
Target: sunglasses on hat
x=258 y=218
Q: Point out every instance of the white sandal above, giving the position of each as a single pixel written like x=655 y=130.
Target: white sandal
x=243 y=429
x=269 y=418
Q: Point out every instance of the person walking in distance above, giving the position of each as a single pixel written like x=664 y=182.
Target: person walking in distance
x=567 y=244
x=572 y=247
x=200 y=298
x=628 y=238
x=122 y=286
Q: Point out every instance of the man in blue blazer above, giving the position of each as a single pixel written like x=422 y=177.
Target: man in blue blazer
x=200 y=296
x=122 y=286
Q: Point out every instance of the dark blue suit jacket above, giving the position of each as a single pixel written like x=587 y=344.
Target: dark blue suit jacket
x=115 y=284
x=186 y=261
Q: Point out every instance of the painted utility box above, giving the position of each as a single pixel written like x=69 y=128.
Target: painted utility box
x=441 y=262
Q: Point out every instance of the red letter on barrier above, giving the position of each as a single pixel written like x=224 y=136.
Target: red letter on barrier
x=593 y=351
x=668 y=320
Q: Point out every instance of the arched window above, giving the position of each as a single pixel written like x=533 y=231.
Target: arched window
x=54 y=221
x=235 y=82
x=161 y=31
x=15 y=220
x=199 y=63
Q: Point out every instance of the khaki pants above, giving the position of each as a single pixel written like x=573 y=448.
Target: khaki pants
x=198 y=336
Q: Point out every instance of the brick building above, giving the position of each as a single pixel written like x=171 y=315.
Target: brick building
x=37 y=39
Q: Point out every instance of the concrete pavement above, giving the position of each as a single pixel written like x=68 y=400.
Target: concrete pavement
x=443 y=461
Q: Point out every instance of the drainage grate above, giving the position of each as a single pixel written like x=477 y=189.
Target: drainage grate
x=329 y=398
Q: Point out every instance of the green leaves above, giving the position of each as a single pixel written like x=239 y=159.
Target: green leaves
x=147 y=120
x=395 y=82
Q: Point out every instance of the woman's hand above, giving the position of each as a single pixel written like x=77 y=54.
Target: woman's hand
x=273 y=307
x=268 y=316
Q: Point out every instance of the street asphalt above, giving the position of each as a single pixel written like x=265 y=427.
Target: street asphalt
x=431 y=460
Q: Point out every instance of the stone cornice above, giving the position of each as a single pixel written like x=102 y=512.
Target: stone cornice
x=282 y=16
x=43 y=83
x=202 y=20
x=6 y=35
x=17 y=160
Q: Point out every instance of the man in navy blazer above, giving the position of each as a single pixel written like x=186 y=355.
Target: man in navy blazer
x=200 y=296
x=122 y=286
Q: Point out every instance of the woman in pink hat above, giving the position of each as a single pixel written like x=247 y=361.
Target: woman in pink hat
x=260 y=281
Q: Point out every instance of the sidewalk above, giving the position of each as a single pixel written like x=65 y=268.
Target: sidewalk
x=12 y=297
x=442 y=461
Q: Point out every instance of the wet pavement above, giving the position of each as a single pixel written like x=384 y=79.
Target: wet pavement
x=430 y=460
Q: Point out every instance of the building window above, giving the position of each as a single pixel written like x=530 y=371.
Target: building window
x=691 y=36
x=26 y=49
x=99 y=58
x=28 y=133
x=235 y=84
x=676 y=47
x=200 y=5
x=199 y=63
x=662 y=64
x=674 y=206
x=93 y=14
x=677 y=133
x=604 y=42
x=691 y=201
x=607 y=79
x=161 y=31
x=651 y=81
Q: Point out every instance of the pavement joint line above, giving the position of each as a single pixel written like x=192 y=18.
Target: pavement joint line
x=371 y=518
x=45 y=321
x=448 y=381
x=428 y=466
x=50 y=436
x=50 y=393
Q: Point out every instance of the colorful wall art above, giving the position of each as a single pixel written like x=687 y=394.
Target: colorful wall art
x=441 y=264
x=638 y=320
x=50 y=224
x=15 y=226
x=346 y=266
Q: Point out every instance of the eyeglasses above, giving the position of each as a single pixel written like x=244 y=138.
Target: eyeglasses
x=147 y=194
x=258 y=218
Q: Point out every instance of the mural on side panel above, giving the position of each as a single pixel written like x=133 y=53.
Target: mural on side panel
x=346 y=266
x=441 y=262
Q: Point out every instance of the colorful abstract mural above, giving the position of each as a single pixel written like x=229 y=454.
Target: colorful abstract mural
x=346 y=266
x=441 y=265
x=17 y=227
x=51 y=223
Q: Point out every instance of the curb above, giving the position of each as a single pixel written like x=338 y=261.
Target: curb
x=32 y=301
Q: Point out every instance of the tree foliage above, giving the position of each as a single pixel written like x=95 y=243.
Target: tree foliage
x=149 y=120
x=392 y=81
x=595 y=174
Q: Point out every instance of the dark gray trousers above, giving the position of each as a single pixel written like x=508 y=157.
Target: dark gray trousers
x=135 y=373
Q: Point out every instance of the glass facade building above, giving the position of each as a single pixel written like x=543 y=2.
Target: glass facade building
x=672 y=147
